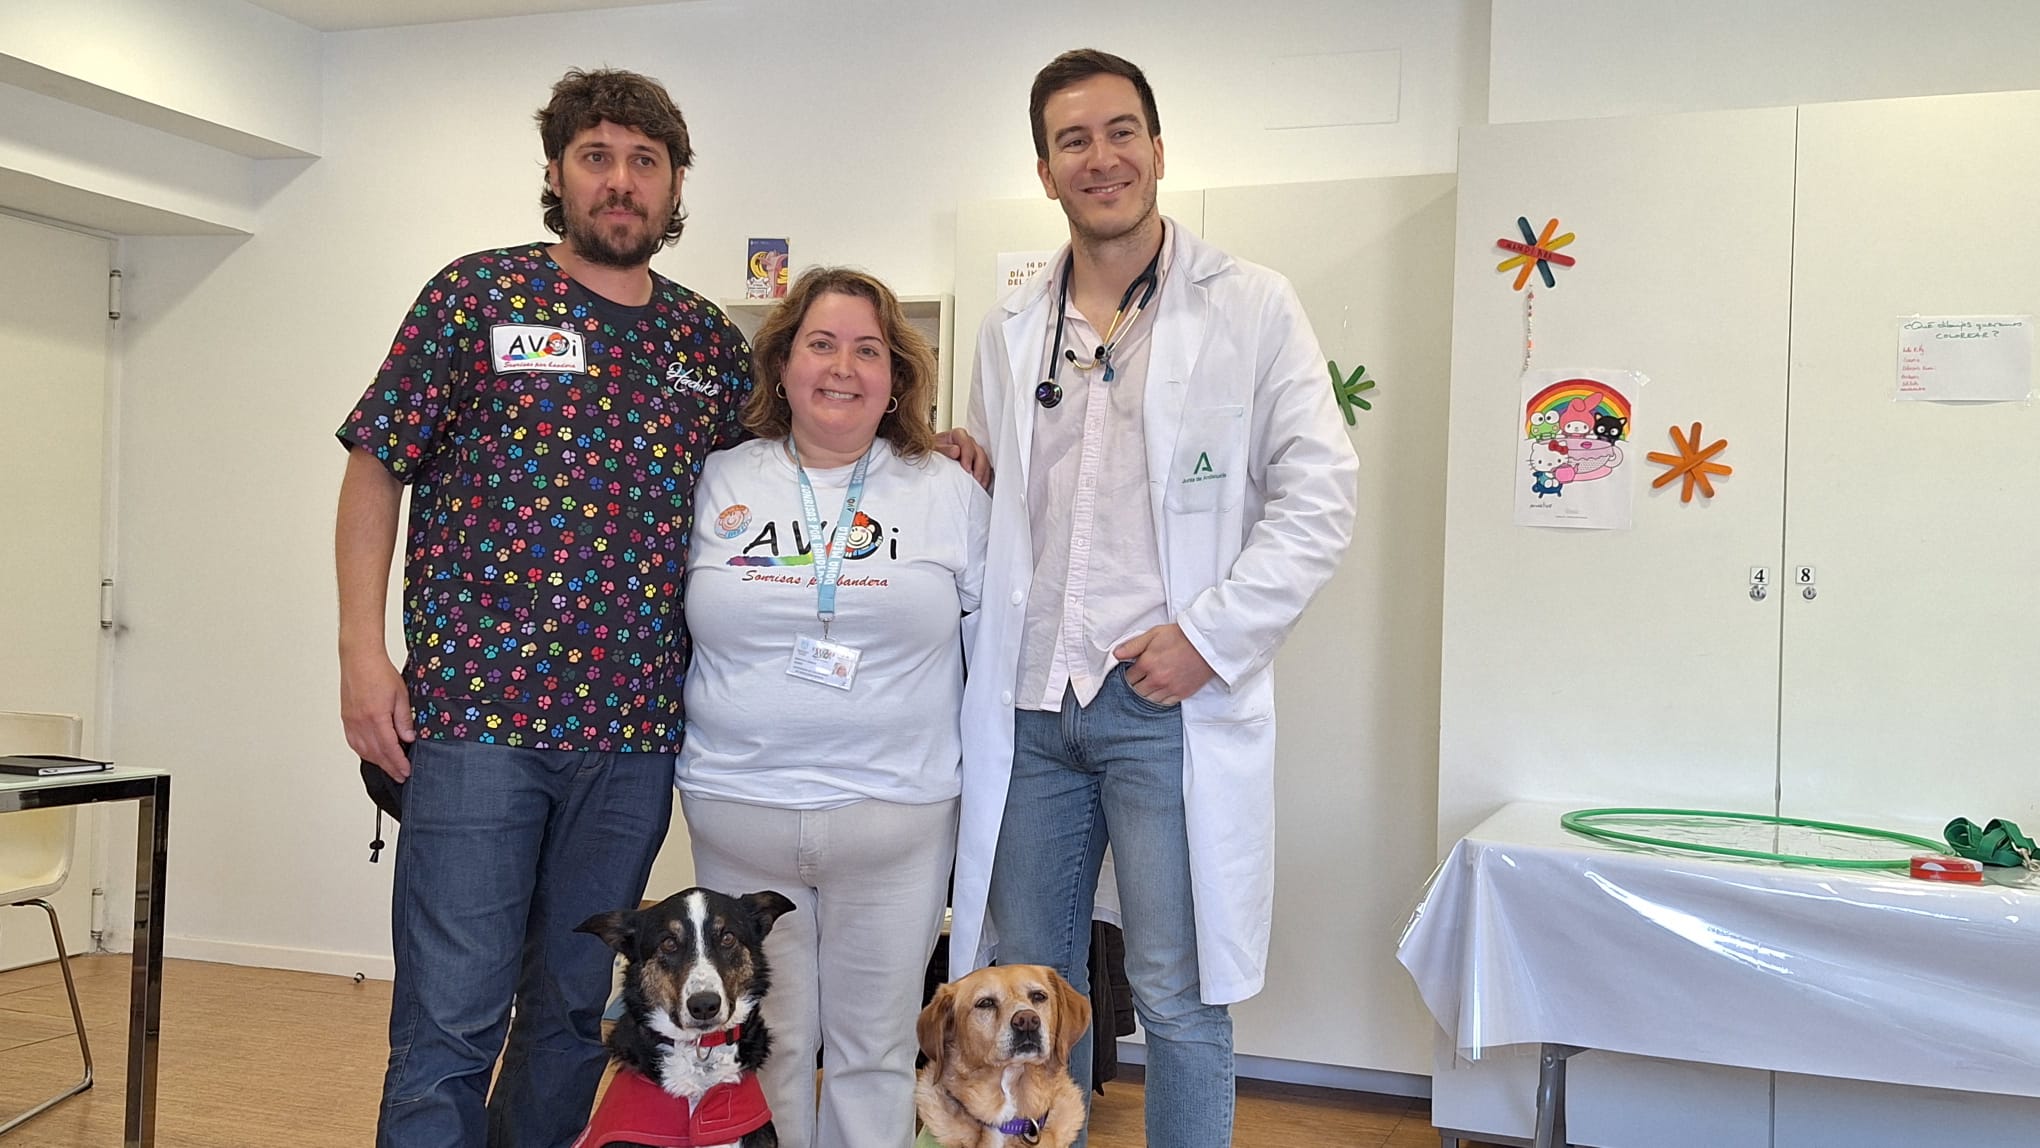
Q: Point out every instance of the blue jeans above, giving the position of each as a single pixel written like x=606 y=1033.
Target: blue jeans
x=1112 y=772
x=502 y=852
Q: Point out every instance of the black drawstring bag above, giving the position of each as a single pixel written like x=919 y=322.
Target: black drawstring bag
x=388 y=794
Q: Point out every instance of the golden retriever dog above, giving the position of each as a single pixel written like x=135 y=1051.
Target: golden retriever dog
x=998 y=1046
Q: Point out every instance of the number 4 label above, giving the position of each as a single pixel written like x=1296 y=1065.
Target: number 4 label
x=1805 y=575
x=1760 y=575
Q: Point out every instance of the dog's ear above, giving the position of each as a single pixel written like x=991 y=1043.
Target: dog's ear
x=766 y=907
x=937 y=1023
x=617 y=929
x=1072 y=1017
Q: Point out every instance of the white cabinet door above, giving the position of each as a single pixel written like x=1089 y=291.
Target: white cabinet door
x=1619 y=667
x=1822 y=1112
x=1624 y=667
x=53 y=332
x=1901 y=687
x=1909 y=678
x=1357 y=759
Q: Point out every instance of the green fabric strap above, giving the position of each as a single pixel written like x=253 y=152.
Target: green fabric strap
x=1998 y=843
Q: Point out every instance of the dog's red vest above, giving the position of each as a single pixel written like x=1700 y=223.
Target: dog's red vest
x=636 y=1111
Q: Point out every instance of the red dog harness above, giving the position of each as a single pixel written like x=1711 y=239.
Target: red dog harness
x=636 y=1111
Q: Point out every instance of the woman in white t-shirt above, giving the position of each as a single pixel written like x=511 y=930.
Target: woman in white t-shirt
x=821 y=750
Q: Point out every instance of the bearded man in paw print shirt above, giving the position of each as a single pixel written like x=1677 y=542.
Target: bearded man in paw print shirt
x=550 y=405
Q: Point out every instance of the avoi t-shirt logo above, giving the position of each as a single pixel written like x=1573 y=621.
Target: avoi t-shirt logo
x=524 y=347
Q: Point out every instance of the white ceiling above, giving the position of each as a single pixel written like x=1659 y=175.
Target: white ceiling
x=344 y=15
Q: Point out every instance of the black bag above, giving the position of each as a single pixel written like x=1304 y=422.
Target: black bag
x=388 y=794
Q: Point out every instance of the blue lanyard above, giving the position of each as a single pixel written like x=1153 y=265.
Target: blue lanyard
x=829 y=557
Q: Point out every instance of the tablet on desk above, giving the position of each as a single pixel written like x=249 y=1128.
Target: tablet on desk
x=48 y=765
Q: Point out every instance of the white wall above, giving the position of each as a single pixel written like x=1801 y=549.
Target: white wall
x=1588 y=58
x=153 y=117
x=853 y=128
x=220 y=71
x=134 y=180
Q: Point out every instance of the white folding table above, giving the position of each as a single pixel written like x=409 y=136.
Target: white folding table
x=1533 y=935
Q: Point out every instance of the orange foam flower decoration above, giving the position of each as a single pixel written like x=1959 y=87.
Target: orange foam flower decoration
x=1693 y=463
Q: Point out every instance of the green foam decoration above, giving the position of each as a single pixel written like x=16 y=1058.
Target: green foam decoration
x=1348 y=389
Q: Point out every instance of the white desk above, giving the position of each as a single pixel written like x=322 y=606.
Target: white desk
x=1533 y=935
x=150 y=788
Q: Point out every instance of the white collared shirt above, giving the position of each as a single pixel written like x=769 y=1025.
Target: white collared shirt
x=1097 y=569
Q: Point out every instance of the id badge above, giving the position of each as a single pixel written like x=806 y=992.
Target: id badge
x=819 y=660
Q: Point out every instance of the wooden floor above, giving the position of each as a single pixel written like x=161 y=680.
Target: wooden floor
x=260 y=1057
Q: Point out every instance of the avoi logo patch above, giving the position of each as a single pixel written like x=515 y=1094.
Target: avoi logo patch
x=519 y=347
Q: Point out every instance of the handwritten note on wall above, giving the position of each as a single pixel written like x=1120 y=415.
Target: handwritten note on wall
x=1965 y=358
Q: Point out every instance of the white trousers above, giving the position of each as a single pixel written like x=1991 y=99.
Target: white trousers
x=868 y=882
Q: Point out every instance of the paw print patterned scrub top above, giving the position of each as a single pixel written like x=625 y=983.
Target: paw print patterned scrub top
x=551 y=439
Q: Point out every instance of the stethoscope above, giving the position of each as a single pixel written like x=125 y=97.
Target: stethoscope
x=1050 y=393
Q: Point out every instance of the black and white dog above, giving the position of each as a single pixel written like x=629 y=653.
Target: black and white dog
x=691 y=1041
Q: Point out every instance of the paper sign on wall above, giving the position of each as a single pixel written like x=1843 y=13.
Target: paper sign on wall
x=1965 y=358
x=1572 y=449
x=1017 y=267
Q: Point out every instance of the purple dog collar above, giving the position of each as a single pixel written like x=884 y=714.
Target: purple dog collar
x=1025 y=1129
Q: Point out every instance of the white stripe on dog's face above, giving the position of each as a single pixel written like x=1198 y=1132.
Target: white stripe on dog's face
x=702 y=974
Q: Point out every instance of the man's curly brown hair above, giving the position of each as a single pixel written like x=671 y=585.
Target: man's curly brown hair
x=581 y=100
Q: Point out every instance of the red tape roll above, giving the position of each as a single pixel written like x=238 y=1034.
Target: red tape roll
x=1960 y=870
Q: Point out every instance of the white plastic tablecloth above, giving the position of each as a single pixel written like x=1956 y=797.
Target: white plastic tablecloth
x=1532 y=934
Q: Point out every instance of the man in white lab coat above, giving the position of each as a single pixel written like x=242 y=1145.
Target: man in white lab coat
x=1174 y=484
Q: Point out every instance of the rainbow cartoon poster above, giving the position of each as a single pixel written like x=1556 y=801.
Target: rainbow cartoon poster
x=1572 y=447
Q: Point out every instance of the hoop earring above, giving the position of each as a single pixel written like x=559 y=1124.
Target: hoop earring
x=893 y=405
x=779 y=389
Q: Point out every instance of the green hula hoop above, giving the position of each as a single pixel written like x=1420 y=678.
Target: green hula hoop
x=1582 y=821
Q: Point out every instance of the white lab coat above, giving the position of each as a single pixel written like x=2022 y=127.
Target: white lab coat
x=1234 y=376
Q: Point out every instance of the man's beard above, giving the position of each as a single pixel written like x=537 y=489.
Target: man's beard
x=1094 y=235
x=591 y=240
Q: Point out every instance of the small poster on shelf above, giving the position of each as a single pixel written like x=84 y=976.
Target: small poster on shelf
x=765 y=269
x=1965 y=358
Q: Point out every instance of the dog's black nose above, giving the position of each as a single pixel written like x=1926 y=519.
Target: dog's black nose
x=1026 y=1020
x=704 y=1006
